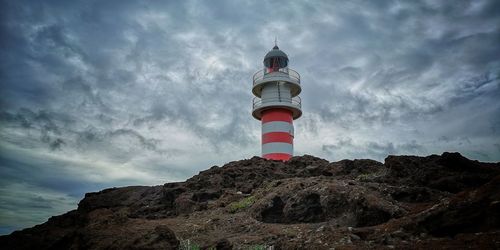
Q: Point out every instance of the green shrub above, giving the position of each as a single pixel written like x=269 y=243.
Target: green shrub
x=365 y=177
x=242 y=204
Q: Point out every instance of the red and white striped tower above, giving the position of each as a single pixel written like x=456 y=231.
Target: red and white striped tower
x=276 y=104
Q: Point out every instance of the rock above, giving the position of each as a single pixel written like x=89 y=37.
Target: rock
x=451 y=172
x=206 y=196
x=354 y=237
x=273 y=212
x=431 y=202
x=308 y=200
x=468 y=212
x=160 y=238
x=224 y=244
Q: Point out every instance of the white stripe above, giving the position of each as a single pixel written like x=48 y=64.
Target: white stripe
x=277 y=147
x=277 y=127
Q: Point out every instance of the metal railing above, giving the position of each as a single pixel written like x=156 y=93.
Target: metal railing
x=263 y=73
x=258 y=102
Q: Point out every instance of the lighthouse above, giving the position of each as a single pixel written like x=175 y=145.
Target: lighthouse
x=276 y=104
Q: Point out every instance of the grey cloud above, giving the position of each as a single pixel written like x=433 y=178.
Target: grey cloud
x=18 y=170
x=51 y=127
x=444 y=138
x=56 y=144
x=119 y=142
x=476 y=87
x=379 y=149
x=42 y=121
x=143 y=84
x=149 y=144
x=342 y=142
x=371 y=149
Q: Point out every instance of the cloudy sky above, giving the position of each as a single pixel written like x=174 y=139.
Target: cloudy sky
x=96 y=94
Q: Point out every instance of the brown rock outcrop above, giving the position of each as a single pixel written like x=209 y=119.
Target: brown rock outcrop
x=443 y=202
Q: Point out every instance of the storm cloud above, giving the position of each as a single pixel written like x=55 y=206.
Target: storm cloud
x=98 y=94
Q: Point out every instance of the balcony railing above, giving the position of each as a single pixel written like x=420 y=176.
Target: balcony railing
x=262 y=74
x=295 y=101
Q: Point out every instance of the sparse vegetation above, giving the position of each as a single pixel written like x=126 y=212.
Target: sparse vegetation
x=365 y=177
x=260 y=247
x=188 y=245
x=368 y=177
x=242 y=204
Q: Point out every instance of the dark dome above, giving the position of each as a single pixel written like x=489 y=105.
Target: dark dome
x=275 y=52
x=278 y=56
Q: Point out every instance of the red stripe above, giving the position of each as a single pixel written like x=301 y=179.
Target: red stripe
x=277 y=137
x=274 y=115
x=278 y=156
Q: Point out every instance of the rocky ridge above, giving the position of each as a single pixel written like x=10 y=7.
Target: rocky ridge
x=443 y=202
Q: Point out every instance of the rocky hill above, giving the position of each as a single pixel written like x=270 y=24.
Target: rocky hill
x=407 y=202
